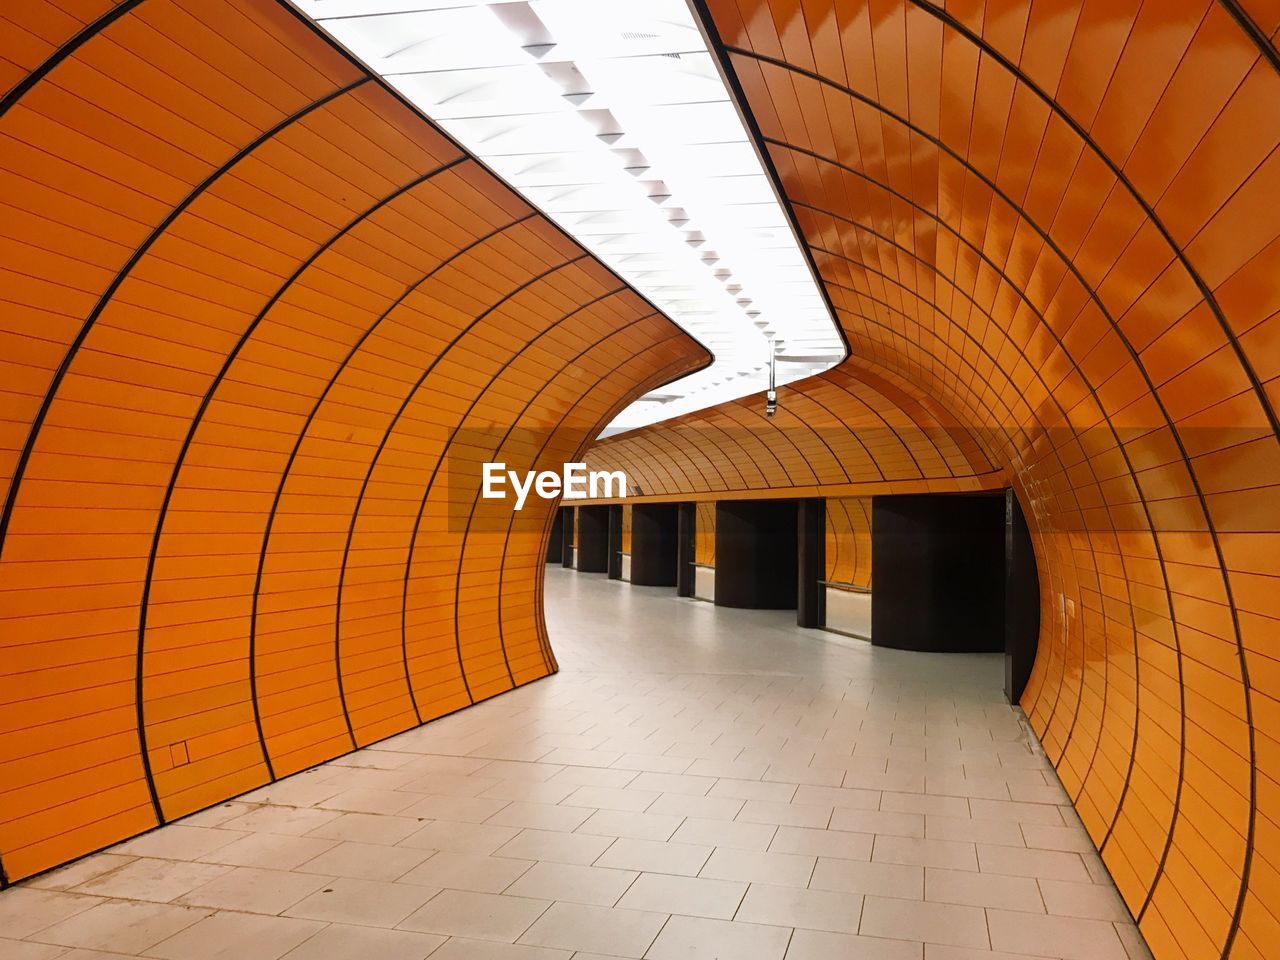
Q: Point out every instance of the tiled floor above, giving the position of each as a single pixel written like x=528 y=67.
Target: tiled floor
x=695 y=783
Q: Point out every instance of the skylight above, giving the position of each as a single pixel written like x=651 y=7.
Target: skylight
x=611 y=117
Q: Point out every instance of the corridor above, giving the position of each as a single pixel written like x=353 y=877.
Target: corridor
x=695 y=782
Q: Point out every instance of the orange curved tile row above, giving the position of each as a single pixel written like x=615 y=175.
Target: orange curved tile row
x=847 y=431
x=260 y=322
x=1058 y=222
x=848 y=541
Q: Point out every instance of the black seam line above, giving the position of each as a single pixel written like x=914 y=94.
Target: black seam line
x=792 y=389
x=1150 y=386
x=1262 y=398
x=196 y=420
x=923 y=432
x=901 y=399
x=752 y=410
x=874 y=411
x=697 y=417
x=297 y=446
x=462 y=552
x=717 y=46
x=121 y=275
x=1159 y=552
x=511 y=520
x=674 y=445
x=643 y=386
x=86 y=33
x=515 y=194
x=73 y=350
x=444 y=450
x=1263 y=43
x=1039 y=316
x=803 y=390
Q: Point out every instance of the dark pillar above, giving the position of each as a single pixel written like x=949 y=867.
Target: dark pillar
x=555 y=543
x=811 y=595
x=593 y=539
x=1021 y=599
x=686 y=548
x=756 y=554
x=615 y=541
x=566 y=538
x=654 y=544
x=937 y=562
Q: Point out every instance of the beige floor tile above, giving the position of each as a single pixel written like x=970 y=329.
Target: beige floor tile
x=369 y=800
x=460 y=949
x=368 y=828
x=822 y=843
x=459 y=809
x=688 y=896
x=340 y=941
x=556 y=847
x=294 y=821
x=695 y=938
x=476 y=916
x=785 y=814
x=796 y=907
x=823 y=945
x=903 y=881
x=575 y=926
x=148 y=879
x=74 y=874
x=1094 y=901
x=637 y=826
x=944 y=923
x=1069 y=938
x=573 y=883
x=753 y=789
x=937 y=951
x=542 y=816
x=655 y=856
x=365 y=902
x=700 y=808
x=611 y=798
x=673 y=783
x=839 y=797
x=968 y=830
x=123 y=926
x=236 y=936
x=365 y=861
x=652 y=763
x=25 y=950
x=1041 y=864
x=1072 y=839
x=529 y=791
x=26 y=909
x=982 y=890
x=894 y=802
x=518 y=770
x=178 y=842
x=455 y=837
x=466 y=871
x=594 y=777
x=753 y=866
x=878 y=822
x=254 y=890
x=1007 y=810
x=948 y=854
x=724 y=833
x=274 y=851
x=451 y=785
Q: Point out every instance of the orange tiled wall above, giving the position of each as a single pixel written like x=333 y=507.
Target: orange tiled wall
x=1058 y=222
x=848 y=545
x=250 y=301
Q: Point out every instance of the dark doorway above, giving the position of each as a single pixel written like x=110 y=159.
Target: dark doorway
x=555 y=543
x=568 y=518
x=937 y=562
x=615 y=541
x=654 y=544
x=593 y=540
x=756 y=554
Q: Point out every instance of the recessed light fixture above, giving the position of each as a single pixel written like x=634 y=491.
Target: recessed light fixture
x=614 y=120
